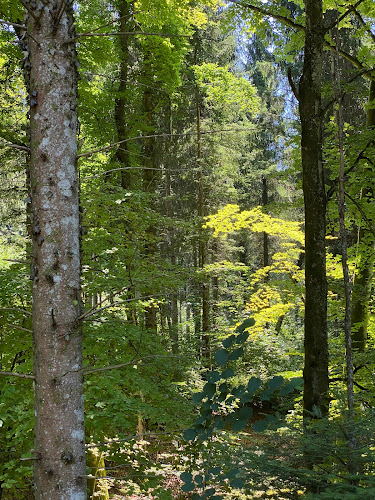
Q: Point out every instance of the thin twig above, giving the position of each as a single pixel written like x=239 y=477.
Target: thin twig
x=361 y=20
x=29 y=10
x=135 y=33
x=22 y=26
x=16 y=309
x=85 y=371
x=15 y=146
x=368 y=221
x=130 y=363
x=19 y=375
x=161 y=169
x=60 y=11
x=110 y=146
x=19 y=327
x=344 y=15
x=132 y=437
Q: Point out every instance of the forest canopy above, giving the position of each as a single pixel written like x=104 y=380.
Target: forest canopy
x=187 y=249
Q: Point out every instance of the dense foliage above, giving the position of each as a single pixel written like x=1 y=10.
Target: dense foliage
x=193 y=251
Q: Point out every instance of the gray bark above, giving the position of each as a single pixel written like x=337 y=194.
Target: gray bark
x=60 y=471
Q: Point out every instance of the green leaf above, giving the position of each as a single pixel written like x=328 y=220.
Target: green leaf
x=232 y=473
x=275 y=382
x=209 y=492
x=242 y=337
x=197 y=397
x=266 y=395
x=229 y=341
x=198 y=479
x=221 y=356
x=260 y=425
x=253 y=384
x=213 y=376
x=237 y=483
x=188 y=487
x=228 y=373
x=236 y=354
x=245 y=412
x=186 y=477
x=245 y=324
x=214 y=470
x=190 y=434
x=209 y=389
x=239 y=425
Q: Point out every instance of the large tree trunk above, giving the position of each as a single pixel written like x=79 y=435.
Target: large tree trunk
x=60 y=472
x=316 y=343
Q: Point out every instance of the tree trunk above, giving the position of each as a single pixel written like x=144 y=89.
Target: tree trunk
x=265 y=235
x=205 y=291
x=316 y=343
x=122 y=154
x=363 y=278
x=60 y=470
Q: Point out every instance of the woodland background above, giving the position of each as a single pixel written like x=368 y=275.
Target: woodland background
x=192 y=210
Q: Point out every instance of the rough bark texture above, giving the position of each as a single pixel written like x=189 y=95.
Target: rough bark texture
x=316 y=343
x=363 y=279
x=60 y=472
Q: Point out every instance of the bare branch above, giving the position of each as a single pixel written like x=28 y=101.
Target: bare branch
x=106 y=148
x=161 y=169
x=19 y=327
x=91 y=312
x=29 y=10
x=15 y=146
x=133 y=436
x=361 y=20
x=15 y=25
x=60 y=11
x=19 y=375
x=135 y=33
x=130 y=363
x=16 y=309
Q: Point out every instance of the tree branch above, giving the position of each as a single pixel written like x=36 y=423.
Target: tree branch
x=299 y=27
x=15 y=25
x=361 y=20
x=16 y=309
x=60 y=12
x=114 y=144
x=367 y=220
x=15 y=146
x=140 y=33
x=19 y=375
x=344 y=15
x=19 y=327
x=29 y=10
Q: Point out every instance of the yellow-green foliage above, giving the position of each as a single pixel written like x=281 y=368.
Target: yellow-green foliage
x=226 y=89
x=230 y=219
x=277 y=288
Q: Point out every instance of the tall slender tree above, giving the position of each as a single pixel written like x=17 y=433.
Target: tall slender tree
x=59 y=470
